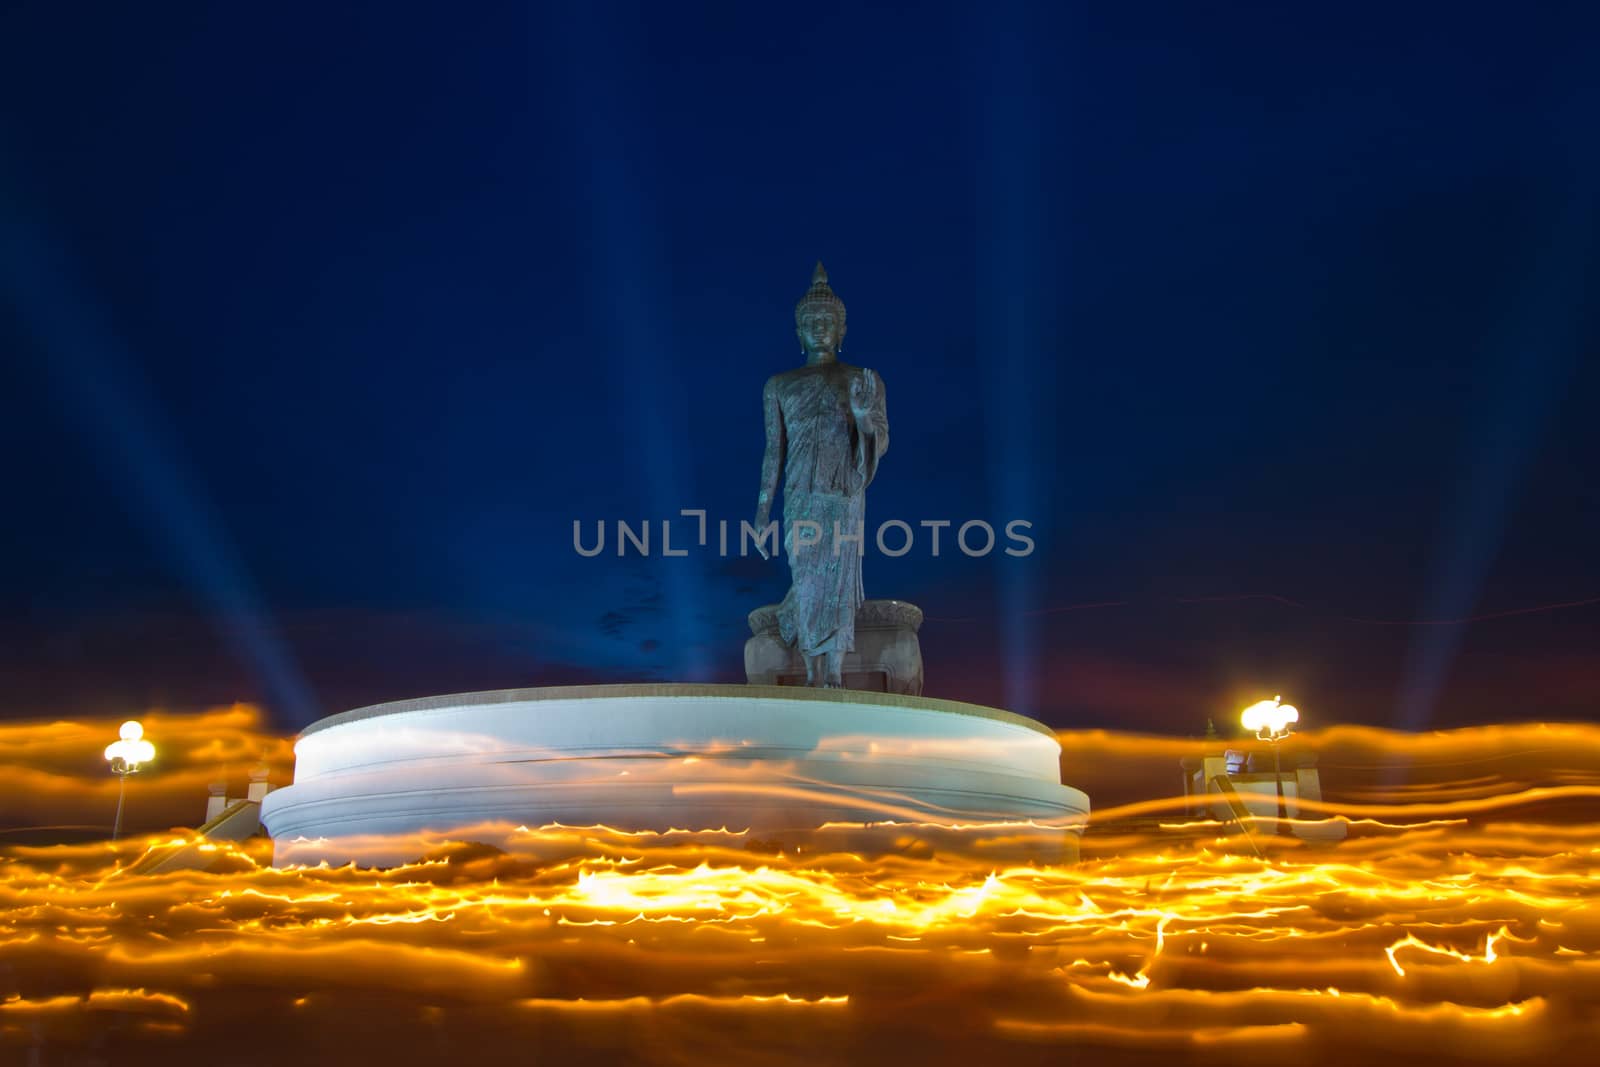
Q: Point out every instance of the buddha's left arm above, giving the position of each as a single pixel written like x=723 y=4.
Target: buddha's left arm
x=880 y=420
x=872 y=417
x=872 y=427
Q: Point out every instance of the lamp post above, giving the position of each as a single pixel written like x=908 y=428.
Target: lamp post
x=1272 y=720
x=126 y=756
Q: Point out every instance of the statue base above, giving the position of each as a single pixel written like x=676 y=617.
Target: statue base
x=887 y=657
x=748 y=765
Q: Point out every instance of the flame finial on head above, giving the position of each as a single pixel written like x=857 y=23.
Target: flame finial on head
x=820 y=296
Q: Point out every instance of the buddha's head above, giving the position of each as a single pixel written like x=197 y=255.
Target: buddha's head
x=819 y=319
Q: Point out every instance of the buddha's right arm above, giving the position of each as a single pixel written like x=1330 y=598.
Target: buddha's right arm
x=772 y=461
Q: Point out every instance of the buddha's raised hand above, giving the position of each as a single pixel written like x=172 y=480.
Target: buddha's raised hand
x=863 y=393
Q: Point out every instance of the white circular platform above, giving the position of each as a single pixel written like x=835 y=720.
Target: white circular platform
x=760 y=759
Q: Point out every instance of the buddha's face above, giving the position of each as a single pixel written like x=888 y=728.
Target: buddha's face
x=820 y=331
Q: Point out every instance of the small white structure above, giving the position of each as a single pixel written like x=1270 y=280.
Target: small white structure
x=762 y=760
x=1257 y=791
x=219 y=801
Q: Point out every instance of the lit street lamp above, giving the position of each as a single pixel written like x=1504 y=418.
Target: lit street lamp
x=1272 y=720
x=126 y=756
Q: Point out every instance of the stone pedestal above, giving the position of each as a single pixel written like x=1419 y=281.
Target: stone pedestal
x=887 y=658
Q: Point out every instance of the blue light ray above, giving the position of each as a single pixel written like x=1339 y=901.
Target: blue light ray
x=97 y=376
x=1530 y=369
x=1008 y=201
x=630 y=304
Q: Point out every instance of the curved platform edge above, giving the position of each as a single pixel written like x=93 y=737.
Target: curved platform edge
x=676 y=690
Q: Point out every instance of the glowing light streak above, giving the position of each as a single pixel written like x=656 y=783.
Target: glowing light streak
x=1371 y=945
x=748 y=1000
x=1421 y=810
x=1412 y=941
x=123 y=999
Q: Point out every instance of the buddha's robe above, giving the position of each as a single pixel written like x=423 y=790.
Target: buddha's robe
x=829 y=459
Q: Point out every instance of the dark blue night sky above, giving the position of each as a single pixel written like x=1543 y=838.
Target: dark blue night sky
x=322 y=324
